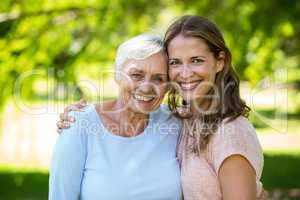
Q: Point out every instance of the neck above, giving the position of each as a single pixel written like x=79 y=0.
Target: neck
x=130 y=123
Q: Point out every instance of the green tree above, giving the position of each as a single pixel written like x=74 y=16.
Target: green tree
x=74 y=35
x=64 y=36
x=263 y=35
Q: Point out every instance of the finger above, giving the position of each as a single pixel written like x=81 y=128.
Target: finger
x=66 y=124
x=63 y=124
x=66 y=117
x=60 y=124
x=59 y=130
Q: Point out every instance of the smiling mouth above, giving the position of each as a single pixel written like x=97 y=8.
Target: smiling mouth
x=143 y=98
x=186 y=86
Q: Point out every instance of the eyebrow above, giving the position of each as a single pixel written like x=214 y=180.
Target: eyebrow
x=134 y=69
x=198 y=57
x=142 y=71
x=191 y=57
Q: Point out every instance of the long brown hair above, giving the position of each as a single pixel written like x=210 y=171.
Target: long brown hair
x=229 y=104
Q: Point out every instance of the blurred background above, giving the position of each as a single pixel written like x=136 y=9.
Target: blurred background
x=54 y=52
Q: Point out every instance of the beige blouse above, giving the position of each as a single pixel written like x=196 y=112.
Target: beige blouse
x=199 y=173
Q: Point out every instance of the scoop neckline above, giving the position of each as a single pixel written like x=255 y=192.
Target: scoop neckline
x=110 y=134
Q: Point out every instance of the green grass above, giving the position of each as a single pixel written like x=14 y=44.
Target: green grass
x=23 y=185
x=281 y=170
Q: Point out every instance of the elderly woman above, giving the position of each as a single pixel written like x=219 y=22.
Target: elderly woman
x=121 y=149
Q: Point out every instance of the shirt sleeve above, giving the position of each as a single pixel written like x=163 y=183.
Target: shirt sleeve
x=237 y=137
x=68 y=161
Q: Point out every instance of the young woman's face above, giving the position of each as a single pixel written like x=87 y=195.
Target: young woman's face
x=143 y=83
x=192 y=67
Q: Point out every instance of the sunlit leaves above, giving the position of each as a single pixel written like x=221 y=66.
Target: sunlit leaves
x=72 y=35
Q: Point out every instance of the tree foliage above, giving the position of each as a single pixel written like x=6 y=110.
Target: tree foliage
x=68 y=36
x=263 y=35
x=64 y=35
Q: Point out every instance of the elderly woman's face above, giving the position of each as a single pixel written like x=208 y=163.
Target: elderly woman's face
x=143 y=83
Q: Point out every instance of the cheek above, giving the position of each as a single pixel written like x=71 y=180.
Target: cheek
x=173 y=72
x=162 y=90
x=127 y=87
x=207 y=72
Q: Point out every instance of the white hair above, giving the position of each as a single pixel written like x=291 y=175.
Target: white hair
x=138 y=48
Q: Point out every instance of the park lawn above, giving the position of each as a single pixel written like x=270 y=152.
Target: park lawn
x=281 y=171
x=23 y=184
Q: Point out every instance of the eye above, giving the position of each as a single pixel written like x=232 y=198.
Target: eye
x=173 y=62
x=136 y=76
x=158 y=80
x=197 y=60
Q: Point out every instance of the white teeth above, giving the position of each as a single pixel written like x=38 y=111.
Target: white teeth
x=189 y=86
x=142 y=98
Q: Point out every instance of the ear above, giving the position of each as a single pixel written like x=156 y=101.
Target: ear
x=221 y=61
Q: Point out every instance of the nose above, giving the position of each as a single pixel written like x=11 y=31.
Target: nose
x=186 y=72
x=146 y=88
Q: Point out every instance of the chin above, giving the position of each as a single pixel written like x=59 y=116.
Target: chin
x=198 y=94
x=144 y=107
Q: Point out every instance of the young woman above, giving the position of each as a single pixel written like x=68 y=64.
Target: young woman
x=219 y=153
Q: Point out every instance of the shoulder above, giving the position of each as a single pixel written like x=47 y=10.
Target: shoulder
x=164 y=115
x=71 y=145
x=236 y=137
x=164 y=120
x=239 y=128
x=78 y=129
x=84 y=119
x=88 y=114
